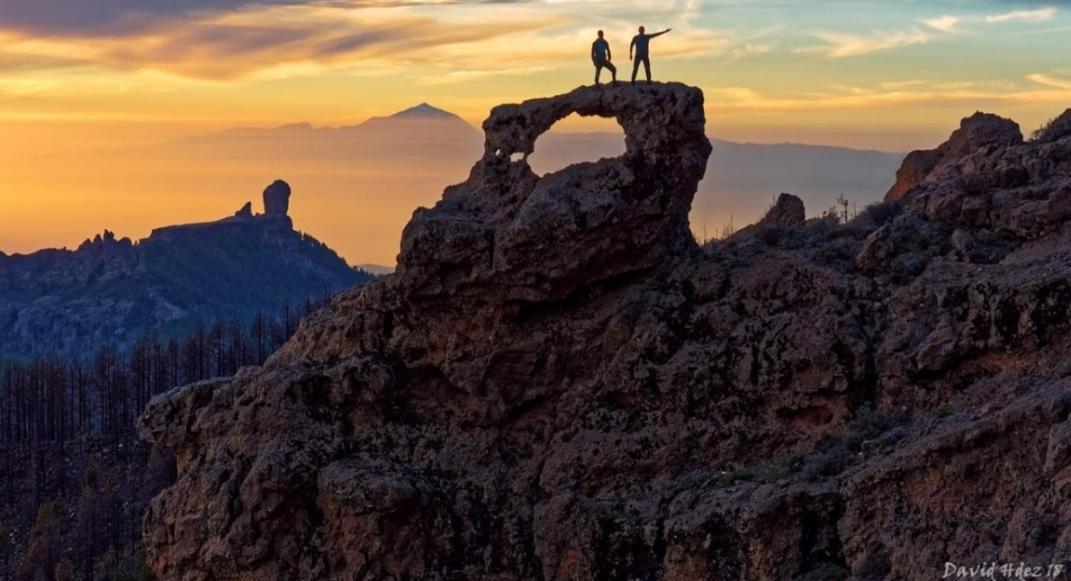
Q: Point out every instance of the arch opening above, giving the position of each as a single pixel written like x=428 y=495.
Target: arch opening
x=576 y=139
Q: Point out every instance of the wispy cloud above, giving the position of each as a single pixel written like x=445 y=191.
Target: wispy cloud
x=891 y=96
x=119 y=17
x=1050 y=81
x=845 y=45
x=842 y=45
x=947 y=24
x=1038 y=15
x=199 y=39
x=262 y=42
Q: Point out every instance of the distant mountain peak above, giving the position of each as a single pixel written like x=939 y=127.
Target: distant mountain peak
x=424 y=111
x=423 y=117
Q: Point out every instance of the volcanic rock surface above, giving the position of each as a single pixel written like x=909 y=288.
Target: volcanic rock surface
x=977 y=132
x=559 y=383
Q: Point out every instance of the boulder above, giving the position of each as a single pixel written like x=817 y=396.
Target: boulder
x=787 y=211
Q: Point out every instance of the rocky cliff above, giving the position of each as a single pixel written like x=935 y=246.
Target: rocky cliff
x=976 y=132
x=558 y=383
x=111 y=291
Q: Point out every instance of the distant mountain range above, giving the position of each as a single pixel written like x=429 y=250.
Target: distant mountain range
x=741 y=181
x=111 y=290
x=422 y=130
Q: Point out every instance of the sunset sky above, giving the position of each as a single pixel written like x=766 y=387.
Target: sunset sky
x=890 y=74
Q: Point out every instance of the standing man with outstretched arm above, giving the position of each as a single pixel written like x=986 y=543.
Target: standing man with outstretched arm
x=600 y=55
x=641 y=43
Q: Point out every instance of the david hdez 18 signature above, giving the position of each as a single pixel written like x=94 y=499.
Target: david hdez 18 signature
x=1004 y=571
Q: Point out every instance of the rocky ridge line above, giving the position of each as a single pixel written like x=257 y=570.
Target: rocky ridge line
x=558 y=383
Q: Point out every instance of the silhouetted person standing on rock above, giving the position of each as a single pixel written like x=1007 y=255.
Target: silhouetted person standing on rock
x=600 y=55
x=641 y=43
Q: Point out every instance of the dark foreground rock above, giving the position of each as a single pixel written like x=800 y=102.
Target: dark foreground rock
x=560 y=384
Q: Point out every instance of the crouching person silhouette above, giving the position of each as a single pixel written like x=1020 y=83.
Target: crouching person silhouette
x=600 y=55
x=641 y=43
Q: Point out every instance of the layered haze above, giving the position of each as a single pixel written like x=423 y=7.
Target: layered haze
x=357 y=185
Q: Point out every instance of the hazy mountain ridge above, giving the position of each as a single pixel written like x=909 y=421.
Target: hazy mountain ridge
x=742 y=179
x=424 y=116
x=111 y=290
x=813 y=167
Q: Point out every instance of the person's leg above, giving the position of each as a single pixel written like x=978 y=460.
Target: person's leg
x=647 y=67
x=613 y=70
x=598 y=73
x=635 y=68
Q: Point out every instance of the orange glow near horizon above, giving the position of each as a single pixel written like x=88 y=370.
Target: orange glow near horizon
x=87 y=95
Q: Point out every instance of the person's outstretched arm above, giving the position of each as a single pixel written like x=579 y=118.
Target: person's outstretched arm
x=660 y=33
x=630 y=47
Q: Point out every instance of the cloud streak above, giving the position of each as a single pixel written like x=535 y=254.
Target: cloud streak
x=843 y=45
x=1050 y=81
x=948 y=24
x=1030 y=16
x=221 y=46
x=892 y=95
x=122 y=17
x=200 y=39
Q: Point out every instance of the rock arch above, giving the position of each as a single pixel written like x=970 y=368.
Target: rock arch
x=659 y=121
x=542 y=237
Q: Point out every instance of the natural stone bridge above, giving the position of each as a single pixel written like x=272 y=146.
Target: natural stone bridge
x=546 y=236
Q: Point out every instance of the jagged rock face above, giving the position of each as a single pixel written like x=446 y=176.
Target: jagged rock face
x=277 y=199
x=541 y=238
x=976 y=132
x=558 y=384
